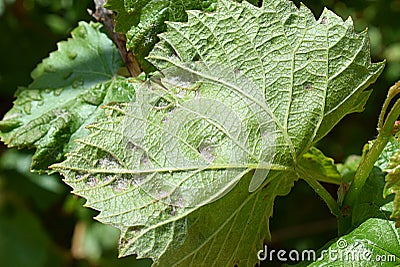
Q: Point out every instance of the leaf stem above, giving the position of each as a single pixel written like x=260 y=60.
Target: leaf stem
x=106 y=17
x=370 y=157
x=322 y=192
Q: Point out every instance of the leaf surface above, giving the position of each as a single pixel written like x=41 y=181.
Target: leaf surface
x=67 y=90
x=242 y=95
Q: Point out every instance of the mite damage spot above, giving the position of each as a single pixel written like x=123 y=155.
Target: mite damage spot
x=120 y=184
x=108 y=163
x=307 y=86
x=145 y=159
x=207 y=152
x=92 y=181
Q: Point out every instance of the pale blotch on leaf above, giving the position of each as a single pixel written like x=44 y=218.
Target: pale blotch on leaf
x=145 y=160
x=207 y=152
x=107 y=179
x=108 y=163
x=121 y=184
x=91 y=181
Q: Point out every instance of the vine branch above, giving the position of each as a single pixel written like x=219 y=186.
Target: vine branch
x=322 y=192
x=368 y=160
x=106 y=17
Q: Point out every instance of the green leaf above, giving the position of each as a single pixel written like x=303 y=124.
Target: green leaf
x=230 y=231
x=67 y=90
x=320 y=167
x=364 y=246
x=392 y=185
x=141 y=21
x=99 y=171
x=243 y=90
x=388 y=152
x=370 y=202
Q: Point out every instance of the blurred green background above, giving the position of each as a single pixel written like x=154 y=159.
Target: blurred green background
x=42 y=224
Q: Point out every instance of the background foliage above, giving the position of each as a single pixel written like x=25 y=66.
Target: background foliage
x=40 y=218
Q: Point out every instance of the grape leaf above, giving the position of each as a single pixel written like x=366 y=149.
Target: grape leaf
x=364 y=246
x=370 y=202
x=65 y=95
x=244 y=90
x=141 y=21
x=101 y=171
x=388 y=152
x=320 y=167
x=392 y=185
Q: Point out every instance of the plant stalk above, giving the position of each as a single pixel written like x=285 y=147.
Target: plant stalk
x=371 y=156
x=322 y=192
x=106 y=17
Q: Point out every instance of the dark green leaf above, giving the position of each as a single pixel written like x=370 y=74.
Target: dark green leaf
x=66 y=94
x=374 y=243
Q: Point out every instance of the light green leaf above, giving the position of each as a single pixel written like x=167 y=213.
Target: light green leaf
x=370 y=202
x=392 y=185
x=320 y=167
x=100 y=171
x=279 y=59
x=230 y=231
x=392 y=147
x=244 y=90
x=67 y=90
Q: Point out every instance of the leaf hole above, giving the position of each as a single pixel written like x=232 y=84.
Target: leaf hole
x=196 y=57
x=163 y=104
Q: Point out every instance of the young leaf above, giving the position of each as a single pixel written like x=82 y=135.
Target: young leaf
x=320 y=167
x=244 y=90
x=392 y=147
x=370 y=202
x=67 y=90
x=392 y=185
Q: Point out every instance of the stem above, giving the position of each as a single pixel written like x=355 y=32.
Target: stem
x=369 y=159
x=106 y=17
x=322 y=192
